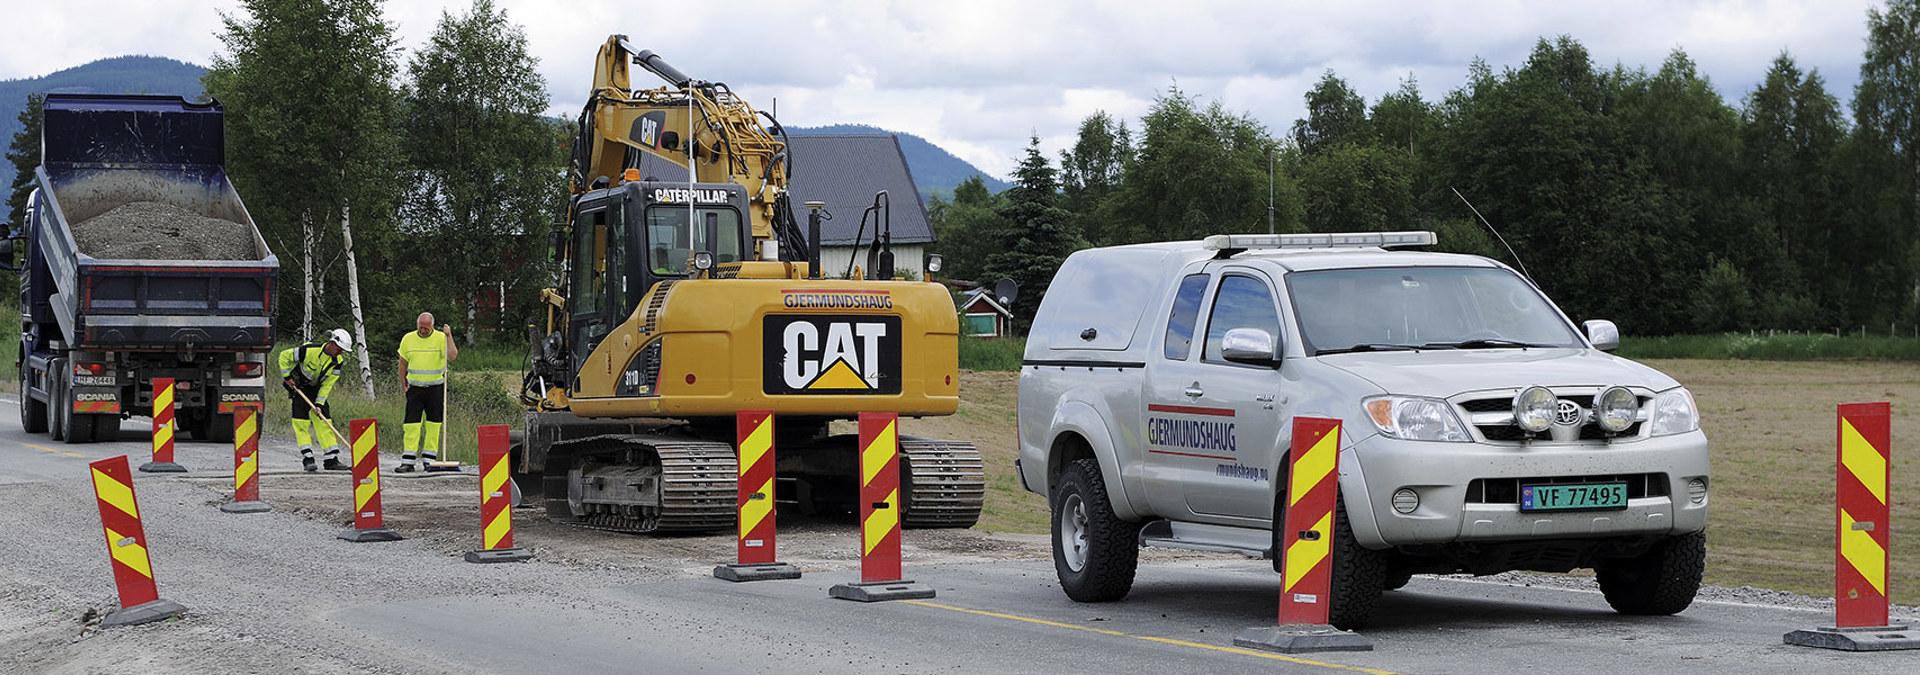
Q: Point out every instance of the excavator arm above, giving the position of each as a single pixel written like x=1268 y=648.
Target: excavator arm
x=690 y=123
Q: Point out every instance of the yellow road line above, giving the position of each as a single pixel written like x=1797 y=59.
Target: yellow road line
x=57 y=452
x=1171 y=641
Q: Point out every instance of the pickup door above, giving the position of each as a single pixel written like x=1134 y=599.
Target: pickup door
x=1212 y=429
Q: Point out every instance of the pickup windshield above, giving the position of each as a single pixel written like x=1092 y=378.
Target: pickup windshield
x=1394 y=308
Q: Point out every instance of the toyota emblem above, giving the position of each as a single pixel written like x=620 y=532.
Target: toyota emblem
x=1566 y=414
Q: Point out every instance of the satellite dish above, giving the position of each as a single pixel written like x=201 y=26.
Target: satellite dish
x=1004 y=291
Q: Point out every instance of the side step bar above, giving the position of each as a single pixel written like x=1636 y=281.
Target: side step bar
x=1245 y=541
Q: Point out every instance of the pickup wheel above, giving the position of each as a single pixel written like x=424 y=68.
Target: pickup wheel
x=1095 y=553
x=33 y=414
x=1661 y=581
x=1359 y=576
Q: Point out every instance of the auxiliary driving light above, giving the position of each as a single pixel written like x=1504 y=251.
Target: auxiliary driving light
x=1615 y=409
x=1533 y=409
x=1697 y=490
x=1405 y=500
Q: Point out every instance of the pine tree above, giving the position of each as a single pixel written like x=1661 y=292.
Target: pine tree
x=1037 y=234
x=24 y=154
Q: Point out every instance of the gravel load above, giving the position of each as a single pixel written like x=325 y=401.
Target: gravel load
x=156 y=231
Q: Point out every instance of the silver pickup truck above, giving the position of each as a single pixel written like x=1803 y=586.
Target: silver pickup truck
x=1481 y=431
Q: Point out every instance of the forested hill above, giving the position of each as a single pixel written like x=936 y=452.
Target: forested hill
x=935 y=171
x=117 y=75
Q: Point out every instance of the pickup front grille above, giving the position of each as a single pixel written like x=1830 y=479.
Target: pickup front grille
x=1505 y=431
x=1507 y=490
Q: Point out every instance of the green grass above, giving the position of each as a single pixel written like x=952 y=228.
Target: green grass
x=1775 y=347
x=991 y=353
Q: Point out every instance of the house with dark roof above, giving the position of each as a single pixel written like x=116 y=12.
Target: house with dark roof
x=846 y=171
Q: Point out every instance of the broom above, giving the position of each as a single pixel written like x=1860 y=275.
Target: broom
x=446 y=391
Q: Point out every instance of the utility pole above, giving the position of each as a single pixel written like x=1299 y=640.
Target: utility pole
x=1269 y=190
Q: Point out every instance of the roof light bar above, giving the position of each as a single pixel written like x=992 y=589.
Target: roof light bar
x=1221 y=242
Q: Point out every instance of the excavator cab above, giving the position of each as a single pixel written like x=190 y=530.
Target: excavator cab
x=639 y=233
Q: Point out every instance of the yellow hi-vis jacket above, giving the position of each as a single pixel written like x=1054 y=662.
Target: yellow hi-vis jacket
x=426 y=358
x=308 y=364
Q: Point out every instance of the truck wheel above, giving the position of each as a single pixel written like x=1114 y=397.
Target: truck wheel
x=33 y=414
x=1095 y=553
x=1359 y=576
x=212 y=426
x=77 y=428
x=56 y=422
x=1659 y=582
x=106 y=428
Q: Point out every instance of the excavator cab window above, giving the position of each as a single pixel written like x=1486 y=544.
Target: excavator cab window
x=670 y=242
x=599 y=284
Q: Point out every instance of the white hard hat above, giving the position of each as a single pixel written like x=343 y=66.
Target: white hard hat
x=340 y=338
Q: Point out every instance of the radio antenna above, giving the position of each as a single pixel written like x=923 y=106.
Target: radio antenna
x=1496 y=233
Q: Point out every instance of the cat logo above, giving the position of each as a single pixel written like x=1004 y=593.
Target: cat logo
x=831 y=355
x=646 y=129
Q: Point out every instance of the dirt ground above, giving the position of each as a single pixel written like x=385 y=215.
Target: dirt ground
x=443 y=512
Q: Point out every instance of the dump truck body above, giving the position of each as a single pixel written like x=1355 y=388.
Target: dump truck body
x=141 y=262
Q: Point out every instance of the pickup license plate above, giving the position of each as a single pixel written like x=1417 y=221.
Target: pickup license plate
x=1586 y=497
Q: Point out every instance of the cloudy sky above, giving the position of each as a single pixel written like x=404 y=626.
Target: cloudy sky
x=978 y=77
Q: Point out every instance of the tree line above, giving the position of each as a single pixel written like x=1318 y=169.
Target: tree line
x=1634 y=194
x=386 y=186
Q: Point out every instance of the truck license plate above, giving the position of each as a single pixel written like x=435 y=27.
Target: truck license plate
x=1596 y=496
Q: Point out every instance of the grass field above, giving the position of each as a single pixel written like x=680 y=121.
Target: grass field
x=1772 y=425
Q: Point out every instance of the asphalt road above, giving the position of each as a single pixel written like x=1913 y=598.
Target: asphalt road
x=314 y=604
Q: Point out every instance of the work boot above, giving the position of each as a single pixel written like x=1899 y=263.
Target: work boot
x=307 y=463
x=404 y=468
x=337 y=465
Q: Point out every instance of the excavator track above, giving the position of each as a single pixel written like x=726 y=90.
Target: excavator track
x=696 y=485
x=945 y=483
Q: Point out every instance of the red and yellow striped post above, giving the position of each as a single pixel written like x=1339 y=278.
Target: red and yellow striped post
x=496 y=501
x=162 y=429
x=880 y=516
x=368 y=523
x=1306 y=548
x=754 y=551
x=246 y=464
x=1863 y=474
x=1861 y=528
x=127 y=546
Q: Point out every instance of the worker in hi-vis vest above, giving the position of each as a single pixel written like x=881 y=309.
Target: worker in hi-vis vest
x=424 y=354
x=310 y=371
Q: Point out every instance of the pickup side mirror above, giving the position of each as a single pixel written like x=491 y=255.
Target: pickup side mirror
x=1603 y=334
x=1250 y=346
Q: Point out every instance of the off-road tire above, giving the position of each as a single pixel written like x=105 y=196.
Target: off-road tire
x=33 y=414
x=1659 y=582
x=1359 y=576
x=1109 y=548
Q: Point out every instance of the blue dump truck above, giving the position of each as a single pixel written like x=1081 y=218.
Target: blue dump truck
x=140 y=262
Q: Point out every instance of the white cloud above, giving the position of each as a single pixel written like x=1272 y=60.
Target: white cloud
x=979 y=77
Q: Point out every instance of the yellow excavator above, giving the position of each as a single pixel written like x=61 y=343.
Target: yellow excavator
x=684 y=302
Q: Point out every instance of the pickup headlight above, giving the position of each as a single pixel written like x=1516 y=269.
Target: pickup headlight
x=1674 y=413
x=1415 y=418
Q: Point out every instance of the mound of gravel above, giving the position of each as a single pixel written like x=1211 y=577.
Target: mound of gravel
x=156 y=231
